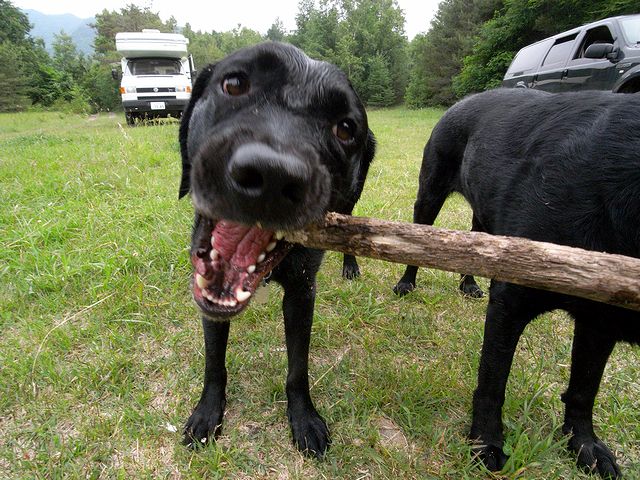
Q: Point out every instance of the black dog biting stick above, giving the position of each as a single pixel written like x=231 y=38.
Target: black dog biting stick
x=271 y=140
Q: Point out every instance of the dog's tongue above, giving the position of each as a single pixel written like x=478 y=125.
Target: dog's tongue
x=239 y=244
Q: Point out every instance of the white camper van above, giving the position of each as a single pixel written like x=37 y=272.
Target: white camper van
x=156 y=74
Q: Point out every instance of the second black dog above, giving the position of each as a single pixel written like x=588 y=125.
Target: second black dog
x=557 y=168
x=271 y=141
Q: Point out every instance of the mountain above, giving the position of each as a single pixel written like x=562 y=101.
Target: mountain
x=46 y=26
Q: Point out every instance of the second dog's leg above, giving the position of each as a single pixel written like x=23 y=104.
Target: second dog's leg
x=425 y=211
x=468 y=285
x=591 y=349
x=507 y=316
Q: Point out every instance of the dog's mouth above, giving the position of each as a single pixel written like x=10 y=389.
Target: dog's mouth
x=230 y=262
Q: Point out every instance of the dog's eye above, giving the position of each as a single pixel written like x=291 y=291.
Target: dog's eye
x=235 y=85
x=345 y=130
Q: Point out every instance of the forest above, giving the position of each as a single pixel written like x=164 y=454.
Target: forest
x=466 y=48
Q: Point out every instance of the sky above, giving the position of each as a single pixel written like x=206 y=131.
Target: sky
x=220 y=15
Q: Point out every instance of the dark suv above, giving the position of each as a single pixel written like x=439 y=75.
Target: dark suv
x=603 y=55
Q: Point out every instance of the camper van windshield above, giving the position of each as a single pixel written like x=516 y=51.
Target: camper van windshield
x=631 y=29
x=154 y=66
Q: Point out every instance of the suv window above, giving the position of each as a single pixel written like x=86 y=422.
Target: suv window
x=529 y=58
x=631 y=30
x=560 y=51
x=600 y=34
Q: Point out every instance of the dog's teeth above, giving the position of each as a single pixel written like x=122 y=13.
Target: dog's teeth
x=261 y=257
x=201 y=281
x=209 y=297
x=242 y=295
x=231 y=303
x=258 y=224
x=279 y=235
x=271 y=246
x=213 y=241
x=251 y=268
x=214 y=254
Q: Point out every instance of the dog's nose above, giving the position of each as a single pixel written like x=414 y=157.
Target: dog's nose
x=260 y=173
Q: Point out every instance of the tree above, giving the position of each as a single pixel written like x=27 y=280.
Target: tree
x=14 y=96
x=66 y=56
x=317 y=28
x=358 y=36
x=437 y=56
x=239 y=37
x=379 y=90
x=101 y=90
x=276 y=31
x=14 y=25
x=377 y=27
x=202 y=46
x=24 y=59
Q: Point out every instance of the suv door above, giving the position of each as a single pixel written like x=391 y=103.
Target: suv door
x=551 y=74
x=591 y=73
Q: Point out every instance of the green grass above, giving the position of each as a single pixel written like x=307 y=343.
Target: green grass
x=101 y=347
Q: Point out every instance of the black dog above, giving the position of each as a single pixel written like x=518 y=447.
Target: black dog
x=271 y=140
x=559 y=168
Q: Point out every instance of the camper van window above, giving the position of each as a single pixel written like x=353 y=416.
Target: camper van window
x=154 y=66
x=631 y=30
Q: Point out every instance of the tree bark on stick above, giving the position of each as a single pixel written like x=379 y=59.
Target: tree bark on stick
x=608 y=278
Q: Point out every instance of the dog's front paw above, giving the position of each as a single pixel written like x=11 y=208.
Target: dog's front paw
x=471 y=290
x=350 y=272
x=310 y=433
x=204 y=424
x=491 y=456
x=402 y=288
x=594 y=455
x=350 y=269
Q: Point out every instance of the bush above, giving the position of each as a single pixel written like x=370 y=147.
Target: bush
x=75 y=101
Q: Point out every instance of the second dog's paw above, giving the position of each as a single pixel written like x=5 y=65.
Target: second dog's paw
x=473 y=290
x=402 y=288
x=310 y=434
x=595 y=456
x=350 y=272
x=491 y=456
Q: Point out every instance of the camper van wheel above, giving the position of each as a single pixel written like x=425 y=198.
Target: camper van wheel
x=131 y=118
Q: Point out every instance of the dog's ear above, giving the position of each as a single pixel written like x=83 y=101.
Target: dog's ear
x=365 y=161
x=199 y=87
x=365 y=157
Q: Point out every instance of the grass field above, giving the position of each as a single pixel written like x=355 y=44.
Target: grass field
x=101 y=356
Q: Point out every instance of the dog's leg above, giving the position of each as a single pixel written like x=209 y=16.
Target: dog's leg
x=350 y=269
x=205 y=422
x=508 y=314
x=431 y=197
x=591 y=349
x=468 y=285
x=309 y=430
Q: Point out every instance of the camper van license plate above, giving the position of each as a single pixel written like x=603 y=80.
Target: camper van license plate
x=157 y=105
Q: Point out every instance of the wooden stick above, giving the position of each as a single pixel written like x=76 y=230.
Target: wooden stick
x=603 y=277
